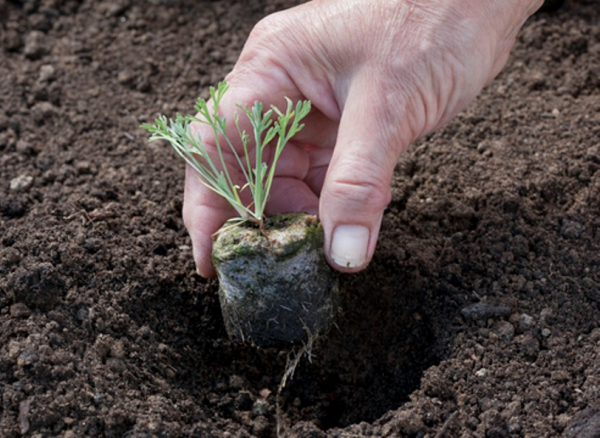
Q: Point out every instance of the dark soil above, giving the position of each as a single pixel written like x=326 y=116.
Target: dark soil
x=480 y=315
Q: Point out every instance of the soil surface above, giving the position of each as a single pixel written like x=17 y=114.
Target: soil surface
x=479 y=316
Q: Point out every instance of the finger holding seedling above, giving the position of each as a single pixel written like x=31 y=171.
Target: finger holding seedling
x=380 y=74
x=205 y=211
x=252 y=133
x=275 y=286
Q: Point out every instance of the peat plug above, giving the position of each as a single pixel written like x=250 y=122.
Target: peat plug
x=275 y=286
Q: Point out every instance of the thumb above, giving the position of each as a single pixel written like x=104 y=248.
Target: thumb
x=356 y=189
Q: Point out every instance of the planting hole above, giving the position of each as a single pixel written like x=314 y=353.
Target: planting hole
x=367 y=365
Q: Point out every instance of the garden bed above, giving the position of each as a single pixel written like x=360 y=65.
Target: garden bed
x=479 y=315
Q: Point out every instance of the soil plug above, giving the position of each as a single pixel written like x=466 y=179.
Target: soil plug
x=275 y=286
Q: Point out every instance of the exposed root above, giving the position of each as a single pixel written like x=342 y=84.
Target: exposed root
x=293 y=359
x=446 y=426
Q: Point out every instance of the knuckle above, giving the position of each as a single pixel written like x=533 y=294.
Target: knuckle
x=365 y=191
x=362 y=195
x=265 y=47
x=267 y=29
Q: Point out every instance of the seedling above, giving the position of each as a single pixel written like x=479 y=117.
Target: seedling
x=213 y=171
x=275 y=286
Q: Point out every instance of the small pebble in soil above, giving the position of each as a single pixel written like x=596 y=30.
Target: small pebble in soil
x=21 y=183
x=260 y=407
x=82 y=313
x=144 y=332
x=546 y=332
x=547 y=315
x=24 y=147
x=522 y=322
x=571 y=229
x=563 y=420
x=47 y=73
x=84 y=167
x=23 y=417
x=595 y=335
x=28 y=357
x=36 y=45
x=484 y=310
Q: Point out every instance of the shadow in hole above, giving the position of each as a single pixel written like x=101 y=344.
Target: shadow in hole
x=367 y=365
x=375 y=358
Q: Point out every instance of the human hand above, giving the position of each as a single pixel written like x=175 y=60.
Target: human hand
x=380 y=74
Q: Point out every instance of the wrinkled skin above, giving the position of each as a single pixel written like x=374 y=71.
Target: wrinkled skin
x=380 y=75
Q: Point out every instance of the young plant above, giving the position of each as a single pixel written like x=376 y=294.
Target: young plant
x=257 y=173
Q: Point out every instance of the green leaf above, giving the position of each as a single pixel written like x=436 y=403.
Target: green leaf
x=215 y=175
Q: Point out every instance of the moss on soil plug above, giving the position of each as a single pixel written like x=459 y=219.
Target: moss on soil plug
x=275 y=286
